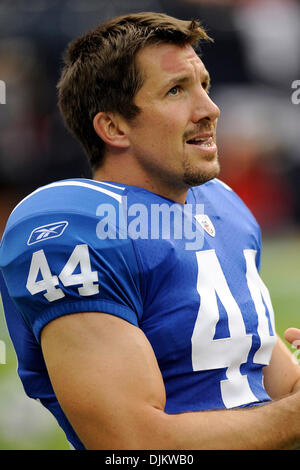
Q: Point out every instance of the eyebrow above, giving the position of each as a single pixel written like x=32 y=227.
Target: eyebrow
x=180 y=79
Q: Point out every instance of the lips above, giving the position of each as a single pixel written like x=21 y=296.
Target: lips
x=200 y=139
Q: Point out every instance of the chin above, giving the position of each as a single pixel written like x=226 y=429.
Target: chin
x=196 y=177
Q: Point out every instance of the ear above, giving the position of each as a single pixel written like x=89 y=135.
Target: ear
x=112 y=129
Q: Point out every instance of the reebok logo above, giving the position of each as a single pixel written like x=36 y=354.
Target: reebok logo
x=44 y=232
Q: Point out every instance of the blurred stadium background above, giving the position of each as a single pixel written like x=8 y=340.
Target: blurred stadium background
x=253 y=63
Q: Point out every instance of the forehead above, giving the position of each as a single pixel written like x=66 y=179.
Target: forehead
x=175 y=59
x=167 y=60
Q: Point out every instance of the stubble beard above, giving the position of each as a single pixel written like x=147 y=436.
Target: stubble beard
x=195 y=177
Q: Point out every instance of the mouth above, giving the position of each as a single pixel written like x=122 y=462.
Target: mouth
x=204 y=142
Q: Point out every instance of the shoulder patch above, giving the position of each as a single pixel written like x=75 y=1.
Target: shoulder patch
x=206 y=224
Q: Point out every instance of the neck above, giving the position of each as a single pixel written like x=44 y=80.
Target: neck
x=131 y=174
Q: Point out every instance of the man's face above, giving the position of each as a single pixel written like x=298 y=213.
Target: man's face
x=173 y=139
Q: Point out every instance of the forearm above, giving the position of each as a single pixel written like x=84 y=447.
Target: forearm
x=282 y=375
x=271 y=426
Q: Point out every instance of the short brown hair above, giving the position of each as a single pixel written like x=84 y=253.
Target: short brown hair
x=100 y=71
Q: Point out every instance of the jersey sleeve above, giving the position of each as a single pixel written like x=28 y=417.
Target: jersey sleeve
x=57 y=265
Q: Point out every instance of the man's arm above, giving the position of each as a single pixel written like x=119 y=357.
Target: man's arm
x=107 y=380
x=282 y=375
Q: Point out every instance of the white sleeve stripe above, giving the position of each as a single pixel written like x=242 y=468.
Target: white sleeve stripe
x=223 y=184
x=118 y=197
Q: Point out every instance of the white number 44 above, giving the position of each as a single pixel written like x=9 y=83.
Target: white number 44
x=49 y=282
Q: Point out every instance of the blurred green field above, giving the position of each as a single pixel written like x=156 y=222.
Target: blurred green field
x=25 y=425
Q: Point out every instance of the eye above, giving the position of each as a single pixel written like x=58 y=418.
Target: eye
x=174 y=91
x=206 y=86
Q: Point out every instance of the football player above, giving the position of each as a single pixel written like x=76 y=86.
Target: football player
x=134 y=300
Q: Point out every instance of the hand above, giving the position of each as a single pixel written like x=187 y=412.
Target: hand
x=292 y=335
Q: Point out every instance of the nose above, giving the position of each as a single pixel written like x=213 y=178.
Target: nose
x=204 y=107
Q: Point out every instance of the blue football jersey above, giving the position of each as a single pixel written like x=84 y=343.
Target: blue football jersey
x=186 y=274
